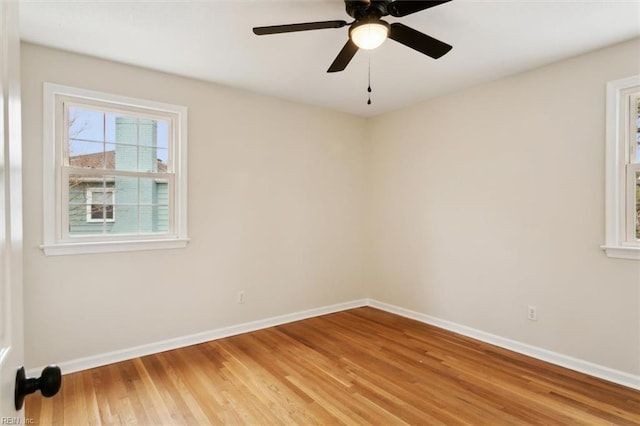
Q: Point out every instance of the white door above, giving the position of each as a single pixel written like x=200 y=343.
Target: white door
x=11 y=339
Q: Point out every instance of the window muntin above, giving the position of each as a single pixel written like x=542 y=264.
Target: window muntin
x=119 y=172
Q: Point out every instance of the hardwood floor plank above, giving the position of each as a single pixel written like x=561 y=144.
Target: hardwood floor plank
x=361 y=366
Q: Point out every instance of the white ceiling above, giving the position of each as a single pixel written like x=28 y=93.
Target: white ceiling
x=212 y=40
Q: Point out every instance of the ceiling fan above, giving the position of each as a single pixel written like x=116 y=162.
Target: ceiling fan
x=368 y=31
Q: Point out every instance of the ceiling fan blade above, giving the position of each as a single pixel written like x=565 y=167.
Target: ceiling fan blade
x=277 y=29
x=406 y=7
x=344 y=57
x=418 y=41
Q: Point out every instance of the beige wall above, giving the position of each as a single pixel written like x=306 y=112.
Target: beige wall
x=467 y=208
x=275 y=207
x=491 y=199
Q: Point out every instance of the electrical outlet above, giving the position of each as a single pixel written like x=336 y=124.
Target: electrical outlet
x=241 y=296
x=532 y=313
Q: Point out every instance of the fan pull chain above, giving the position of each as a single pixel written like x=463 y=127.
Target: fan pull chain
x=369 y=87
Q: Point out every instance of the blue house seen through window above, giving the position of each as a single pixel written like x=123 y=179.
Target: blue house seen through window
x=125 y=203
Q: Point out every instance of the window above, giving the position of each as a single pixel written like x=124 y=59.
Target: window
x=623 y=169
x=100 y=205
x=114 y=173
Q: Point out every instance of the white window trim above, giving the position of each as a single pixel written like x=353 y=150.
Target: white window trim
x=53 y=243
x=618 y=202
x=89 y=202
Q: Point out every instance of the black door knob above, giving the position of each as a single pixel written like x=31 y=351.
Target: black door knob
x=48 y=383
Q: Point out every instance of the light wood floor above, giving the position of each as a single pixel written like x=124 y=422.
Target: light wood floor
x=361 y=366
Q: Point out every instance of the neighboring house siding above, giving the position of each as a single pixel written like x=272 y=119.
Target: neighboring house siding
x=161 y=213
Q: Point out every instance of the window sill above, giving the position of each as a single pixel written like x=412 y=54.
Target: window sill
x=86 y=247
x=622 y=252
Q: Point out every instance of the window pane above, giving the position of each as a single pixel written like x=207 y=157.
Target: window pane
x=163 y=134
x=121 y=128
x=126 y=190
x=162 y=160
x=85 y=124
x=154 y=219
x=149 y=159
x=86 y=154
x=77 y=204
x=126 y=157
x=86 y=131
x=154 y=205
x=126 y=218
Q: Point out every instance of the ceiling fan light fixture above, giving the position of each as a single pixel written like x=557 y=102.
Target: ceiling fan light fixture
x=369 y=34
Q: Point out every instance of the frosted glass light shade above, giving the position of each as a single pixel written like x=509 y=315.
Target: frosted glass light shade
x=369 y=35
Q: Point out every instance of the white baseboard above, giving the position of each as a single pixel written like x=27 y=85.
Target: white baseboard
x=605 y=373
x=615 y=376
x=194 y=339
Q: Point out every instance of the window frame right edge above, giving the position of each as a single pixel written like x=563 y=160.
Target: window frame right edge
x=617 y=201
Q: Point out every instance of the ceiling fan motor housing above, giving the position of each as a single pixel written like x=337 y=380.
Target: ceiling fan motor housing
x=365 y=9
